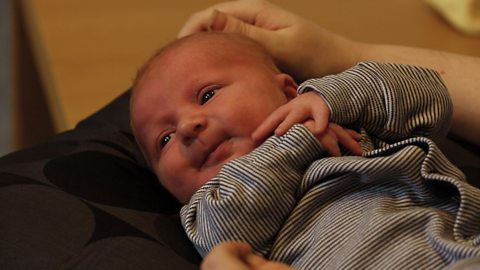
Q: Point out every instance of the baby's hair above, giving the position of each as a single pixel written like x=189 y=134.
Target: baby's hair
x=252 y=47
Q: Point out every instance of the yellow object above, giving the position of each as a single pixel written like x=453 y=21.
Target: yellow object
x=463 y=14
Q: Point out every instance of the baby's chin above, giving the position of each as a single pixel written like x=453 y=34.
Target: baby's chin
x=207 y=174
x=204 y=175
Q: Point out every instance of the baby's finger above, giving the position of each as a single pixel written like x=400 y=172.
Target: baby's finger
x=357 y=136
x=268 y=126
x=321 y=118
x=310 y=125
x=328 y=139
x=319 y=110
x=329 y=142
x=292 y=118
x=346 y=139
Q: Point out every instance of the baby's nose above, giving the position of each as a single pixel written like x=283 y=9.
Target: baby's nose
x=190 y=128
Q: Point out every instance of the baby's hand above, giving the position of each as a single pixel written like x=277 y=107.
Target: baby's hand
x=308 y=106
x=312 y=111
x=337 y=135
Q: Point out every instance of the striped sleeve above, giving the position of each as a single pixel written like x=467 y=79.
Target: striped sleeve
x=252 y=196
x=390 y=101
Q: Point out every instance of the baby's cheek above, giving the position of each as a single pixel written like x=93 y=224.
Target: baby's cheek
x=207 y=175
x=249 y=116
x=182 y=183
x=167 y=177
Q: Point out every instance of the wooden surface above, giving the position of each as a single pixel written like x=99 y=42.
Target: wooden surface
x=86 y=52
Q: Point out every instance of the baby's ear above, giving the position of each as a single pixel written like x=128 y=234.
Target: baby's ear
x=288 y=84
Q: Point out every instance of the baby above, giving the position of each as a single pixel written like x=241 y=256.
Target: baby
x=197 y=102
x=203 y=107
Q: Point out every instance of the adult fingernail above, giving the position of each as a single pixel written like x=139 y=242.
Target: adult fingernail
x=218 y=21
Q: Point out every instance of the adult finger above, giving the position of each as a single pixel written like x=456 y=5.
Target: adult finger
x=259 y=263
x=244 y=10
x=230 y=24
x=229 y=255
x=224 y=22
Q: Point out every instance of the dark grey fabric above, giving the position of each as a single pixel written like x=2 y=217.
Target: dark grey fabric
x=85 y=200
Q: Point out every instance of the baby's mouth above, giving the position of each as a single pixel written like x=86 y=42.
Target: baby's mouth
x=218 y=153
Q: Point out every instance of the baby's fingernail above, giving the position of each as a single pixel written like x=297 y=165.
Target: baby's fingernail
x=279 y=132
x=255 y=261
x=256 y=138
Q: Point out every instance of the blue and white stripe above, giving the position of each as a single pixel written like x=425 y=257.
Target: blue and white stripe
x=402 y=205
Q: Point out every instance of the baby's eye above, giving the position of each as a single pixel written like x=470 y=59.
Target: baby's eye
x=164 y=140
x=207 y=95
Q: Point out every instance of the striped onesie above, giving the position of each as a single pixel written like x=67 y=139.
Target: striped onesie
x=402 y=205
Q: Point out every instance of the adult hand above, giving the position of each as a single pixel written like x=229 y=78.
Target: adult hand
x=238 y=256
x=301 y=48
x=305 y=50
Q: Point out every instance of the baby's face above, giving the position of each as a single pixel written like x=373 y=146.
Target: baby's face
x=196 y=107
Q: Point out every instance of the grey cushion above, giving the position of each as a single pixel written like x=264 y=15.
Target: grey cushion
x=85 y=200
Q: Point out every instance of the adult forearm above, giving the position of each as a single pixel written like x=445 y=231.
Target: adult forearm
x=306 y=50
x=459 y=72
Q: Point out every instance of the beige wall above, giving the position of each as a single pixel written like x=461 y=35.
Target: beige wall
x=86 y=52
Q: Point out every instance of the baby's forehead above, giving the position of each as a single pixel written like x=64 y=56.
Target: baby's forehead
x=215 y=44
x=208 y=48
x=204 y=47
x=215 y=39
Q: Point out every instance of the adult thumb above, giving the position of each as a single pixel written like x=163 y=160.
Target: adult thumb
x=223 y=22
